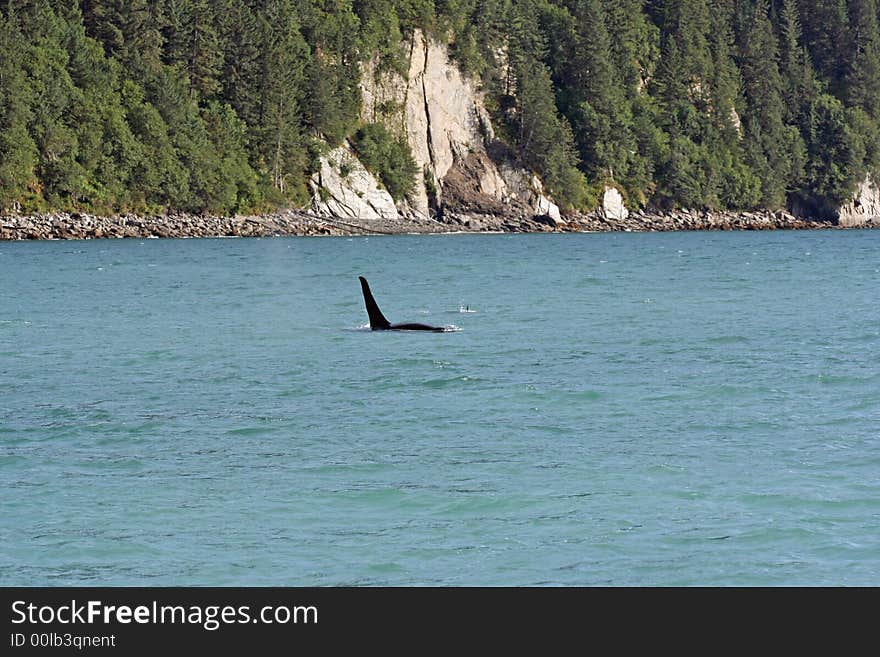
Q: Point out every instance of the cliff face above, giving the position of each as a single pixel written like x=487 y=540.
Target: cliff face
x=344 y=188
x=466 y=171
x=864 y=208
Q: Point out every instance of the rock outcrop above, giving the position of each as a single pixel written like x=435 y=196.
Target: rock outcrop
x=442 y=115
x=613 y=207
x=864 y=208
x=343 y=188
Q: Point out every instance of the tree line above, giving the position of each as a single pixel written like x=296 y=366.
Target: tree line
x=225 y=105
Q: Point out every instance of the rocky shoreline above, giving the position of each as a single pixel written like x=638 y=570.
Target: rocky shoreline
x=66 y=226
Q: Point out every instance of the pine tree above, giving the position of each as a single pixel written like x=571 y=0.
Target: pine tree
x=191 y=42
x=332 y=106
x=221 y=106
x=62 y=178
x=18 y=152
x=825 y=26
x=635 y=46
x=683 y=88
x=683 y=79
x=381 y=33
x=799 y=79
x=544 y=139
x=835 y=154
x=158 y=180
x=241 y=39
x=278 y=132
x=767 y=140
x=129 y=31
x=635 y=51
x=597 y=102
x=863 y=74
x=725 y=81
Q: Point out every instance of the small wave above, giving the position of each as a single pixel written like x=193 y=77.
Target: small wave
x=728 y=339
x=249 y=431
x=864 y=405
x=387 y=567
x=865 y=337
x=408 y=361
x=841 y=379
x=652 y=342
x=445 y=383
x=449 y=328
x=585 y=395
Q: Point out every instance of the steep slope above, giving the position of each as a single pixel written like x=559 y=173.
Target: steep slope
x=466 y=171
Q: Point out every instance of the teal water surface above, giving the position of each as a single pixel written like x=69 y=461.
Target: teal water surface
x=622 y=409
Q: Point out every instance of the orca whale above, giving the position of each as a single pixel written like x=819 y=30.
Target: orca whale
x=378 y=321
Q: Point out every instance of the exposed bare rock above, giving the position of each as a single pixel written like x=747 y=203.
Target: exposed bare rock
x=443 y=116
x=864 y=208
x=343 y=188
x=612 y=205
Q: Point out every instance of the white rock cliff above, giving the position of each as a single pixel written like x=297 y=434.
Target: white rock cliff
x=344 y=188
x=443 y=117
x=864 y=208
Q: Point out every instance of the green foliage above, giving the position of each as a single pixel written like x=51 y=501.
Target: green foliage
x=546 y=143
x=836 y=151
x=332 y=102
x=863 y=74
x=224 y=106
x=767 y=150
x=544 y=138
x=191 y=41
x=388 y=157
x=158 y=179
x=18 y=151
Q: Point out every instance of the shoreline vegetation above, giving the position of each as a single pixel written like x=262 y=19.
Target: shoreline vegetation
x=235 y=107
x=73 y=226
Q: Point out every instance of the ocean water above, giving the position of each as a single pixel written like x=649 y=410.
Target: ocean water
x=621 y=409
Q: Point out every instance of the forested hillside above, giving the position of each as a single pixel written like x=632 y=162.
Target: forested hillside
x=225 y=106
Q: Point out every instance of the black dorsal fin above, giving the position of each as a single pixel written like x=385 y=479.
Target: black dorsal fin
x=377 y=319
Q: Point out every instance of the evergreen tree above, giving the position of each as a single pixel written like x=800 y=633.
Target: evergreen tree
x=278 y=133
x=18 y=152
x=635 y=52
x=544 y=139
x=158 y=179
x=683 y=87
x=863 y=74
x=595 y=101
x=129 y=31
x=241 y=37
x=191 y=43
x=799 y=80
x=332 y=105
x=223 y=105
x=836 y=153
x=767 y=144
x=388 y=157
x=825 y=26
x=381 y=33
x=683 y=79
